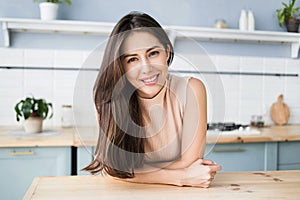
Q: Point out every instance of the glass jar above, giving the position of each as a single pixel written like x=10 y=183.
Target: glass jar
x=67 y=116
x=257 y=121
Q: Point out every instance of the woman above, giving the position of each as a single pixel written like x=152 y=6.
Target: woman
x=152 y=124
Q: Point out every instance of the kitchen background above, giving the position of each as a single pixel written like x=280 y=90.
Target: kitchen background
x=244 y=95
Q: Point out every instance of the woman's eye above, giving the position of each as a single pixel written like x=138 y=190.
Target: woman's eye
x=131 y=60
x=153 y=53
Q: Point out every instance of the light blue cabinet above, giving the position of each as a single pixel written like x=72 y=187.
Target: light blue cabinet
x=257 y=156
x=19 y=166
x=289 y=155
x=84 y=157
x=243 y=156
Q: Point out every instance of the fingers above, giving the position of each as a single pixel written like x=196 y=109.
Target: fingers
x=201 y=173
x=204 y=185
x=215 y=167
x=199 y=183
x=213 y=174
x=208 y=162
x=205 y=162
x=211 y=163
x=212 y=168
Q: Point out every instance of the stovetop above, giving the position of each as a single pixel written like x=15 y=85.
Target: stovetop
x=231 y=128
x=227 y=126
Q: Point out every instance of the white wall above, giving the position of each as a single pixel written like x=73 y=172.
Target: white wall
x=250 y=95
x=244 y=95
x=55 y=86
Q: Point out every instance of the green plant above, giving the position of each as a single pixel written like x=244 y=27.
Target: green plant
x=287 y=12
x=68 y=2
x=31 y=107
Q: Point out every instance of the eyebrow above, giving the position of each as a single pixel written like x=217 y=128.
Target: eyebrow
x=151 y=48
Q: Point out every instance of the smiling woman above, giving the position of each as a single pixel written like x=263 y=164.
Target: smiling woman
x=152 y=124
x=146 y=68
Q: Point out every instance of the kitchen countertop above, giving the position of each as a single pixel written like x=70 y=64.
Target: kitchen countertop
x=227 y=185
x=9 y=136
x=14 y=136
x=267 y=134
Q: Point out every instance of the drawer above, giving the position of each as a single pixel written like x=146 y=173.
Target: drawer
x=19 y=152
x=237 y=157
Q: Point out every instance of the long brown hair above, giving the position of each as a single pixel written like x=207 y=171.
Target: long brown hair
x=120 y=147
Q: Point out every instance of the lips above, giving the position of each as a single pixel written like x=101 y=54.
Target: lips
x=150 y=80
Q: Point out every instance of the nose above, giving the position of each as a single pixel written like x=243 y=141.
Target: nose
x=146 y=66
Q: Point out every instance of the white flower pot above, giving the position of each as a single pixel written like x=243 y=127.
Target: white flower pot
x=33 y=125
x=48 y=11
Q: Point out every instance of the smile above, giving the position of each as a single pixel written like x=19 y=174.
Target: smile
x=152 y=80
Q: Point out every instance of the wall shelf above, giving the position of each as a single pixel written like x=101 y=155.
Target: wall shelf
x=174 y=32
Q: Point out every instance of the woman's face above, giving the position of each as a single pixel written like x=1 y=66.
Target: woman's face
x=145 y=63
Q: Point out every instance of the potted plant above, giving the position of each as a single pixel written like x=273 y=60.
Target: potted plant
x=288 y=15
x=49 y=8
x=34 y=111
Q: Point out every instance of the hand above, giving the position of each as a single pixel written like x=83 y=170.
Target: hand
x=200 y=173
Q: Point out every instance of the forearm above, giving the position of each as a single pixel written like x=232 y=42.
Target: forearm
x=159 y=176
x=199 y=174
x=177 y=164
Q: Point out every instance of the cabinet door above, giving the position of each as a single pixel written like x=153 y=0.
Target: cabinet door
x=289 y=155
x=238 y=157
x=84 y=157
x=19 y=166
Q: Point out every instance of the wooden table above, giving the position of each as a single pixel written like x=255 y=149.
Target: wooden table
x=227 y=185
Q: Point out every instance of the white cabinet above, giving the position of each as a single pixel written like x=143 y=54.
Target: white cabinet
x=18 y=167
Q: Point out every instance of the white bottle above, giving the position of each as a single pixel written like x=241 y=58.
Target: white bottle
x=251 y=21
x=67 y=116
x=243 y=22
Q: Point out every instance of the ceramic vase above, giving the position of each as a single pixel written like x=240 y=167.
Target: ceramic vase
x=48 y=11
x=33 y=125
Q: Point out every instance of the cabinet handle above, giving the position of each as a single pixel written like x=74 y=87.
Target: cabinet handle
x=14 y=153
x=229 y=150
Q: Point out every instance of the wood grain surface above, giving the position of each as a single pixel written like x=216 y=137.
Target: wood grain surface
x=227 y=185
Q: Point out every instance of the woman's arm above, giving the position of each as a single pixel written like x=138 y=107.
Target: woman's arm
x=198 y=174
x=194 y=125
x=189 y=169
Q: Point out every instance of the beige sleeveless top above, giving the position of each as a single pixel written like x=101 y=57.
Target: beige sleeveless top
x=163 y=119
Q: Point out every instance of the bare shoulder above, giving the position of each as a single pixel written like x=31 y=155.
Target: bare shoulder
x=197 y=87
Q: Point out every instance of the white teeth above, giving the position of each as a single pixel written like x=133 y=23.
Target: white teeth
x=150 y=80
